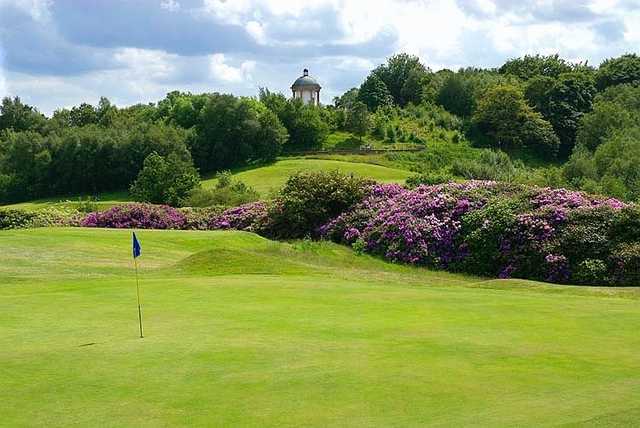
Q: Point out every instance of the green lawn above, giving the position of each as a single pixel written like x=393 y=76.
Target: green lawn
x=272 y=177
x=242 y=331
x=106 y=200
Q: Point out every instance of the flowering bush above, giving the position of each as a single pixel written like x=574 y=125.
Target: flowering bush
x=251 y=217
x=200 y=218
x=137 y=215
x=45 y=217
x=492 y=229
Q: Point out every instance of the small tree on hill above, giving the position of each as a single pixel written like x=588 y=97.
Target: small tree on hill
x=357 y=119
x=165 y=180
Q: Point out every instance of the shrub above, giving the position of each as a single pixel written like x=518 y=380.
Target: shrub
x=491 y=228
x=437 y=177
x=590 y=271
x=310 y=199
x=165 y=181
x=251 y=217
x=200 y=218
x=228 y=192
x=137 y=216
x=46 y=217
x=15 y=219
x=625 y=261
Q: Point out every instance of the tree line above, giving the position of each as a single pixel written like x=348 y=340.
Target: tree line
x=543 y=105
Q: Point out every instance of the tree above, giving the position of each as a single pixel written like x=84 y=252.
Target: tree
x=504 y=116
x=374 y=93
x=84 y=114
x=24 y=162
x=20 y=117
x=416 y=88
x=165 y=180
x=531 y=66
x=564 y=104
x=616 y=71
x=357 y=119
x=347 y=99
x=457 y=96
x=271 y=137
x=606 y=118
x=396 y=73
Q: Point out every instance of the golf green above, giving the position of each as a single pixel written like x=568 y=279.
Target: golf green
x=242 y=331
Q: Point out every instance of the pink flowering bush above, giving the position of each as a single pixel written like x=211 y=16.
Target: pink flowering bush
x=491 y=229
x=138 y=216
x=251 y=217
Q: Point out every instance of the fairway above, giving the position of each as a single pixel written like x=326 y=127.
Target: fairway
x=272 y=177
x=242 y=331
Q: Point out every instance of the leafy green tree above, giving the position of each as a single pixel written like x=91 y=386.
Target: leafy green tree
x=396 y=73
x=616 y=71
x=19 y=116
x=457 y=95
x=531 y=66
x=167 y=180
x=374 y=93
x=271 y=137
x=615 y=109
x=358 y=120
x=504 y=116
x=618 y=162
x=564 y=104
x=347 y=99
x=24 y=162
x=416 y=88
x=84 y=114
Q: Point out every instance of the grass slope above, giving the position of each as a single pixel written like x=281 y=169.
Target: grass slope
x=272 y=177
x=244 y=331
x=264 y=179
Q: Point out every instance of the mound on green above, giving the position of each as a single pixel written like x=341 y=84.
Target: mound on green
x=272 y=177
x=242 y=331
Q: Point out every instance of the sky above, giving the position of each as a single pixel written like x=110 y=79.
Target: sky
x=60 y=53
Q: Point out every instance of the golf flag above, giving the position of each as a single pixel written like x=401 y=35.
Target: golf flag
x=137 y=250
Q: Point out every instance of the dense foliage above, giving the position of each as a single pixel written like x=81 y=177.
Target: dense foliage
x=480 y=227
x=167 y=180
x=137 y=216
x=561 y=123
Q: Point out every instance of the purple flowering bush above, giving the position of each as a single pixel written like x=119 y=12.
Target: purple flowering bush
x=251 y=217
x=492 y=229
x=481 y=227
x=138 y=216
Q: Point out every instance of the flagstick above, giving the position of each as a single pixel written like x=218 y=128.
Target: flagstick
x=135 y=262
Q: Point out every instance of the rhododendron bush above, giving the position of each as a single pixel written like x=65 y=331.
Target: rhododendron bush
x=485 y=228
x=137 y=215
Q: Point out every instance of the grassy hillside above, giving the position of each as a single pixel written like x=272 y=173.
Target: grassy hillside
x=272 y=177
x=244 y=331
x=264 y=179
x=105 y=200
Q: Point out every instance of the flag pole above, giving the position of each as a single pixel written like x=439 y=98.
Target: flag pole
x=135 y=262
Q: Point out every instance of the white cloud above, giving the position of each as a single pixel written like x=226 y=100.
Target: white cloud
x=257 y=31
x=170 y=5
x=220 y=70
x=152 y=64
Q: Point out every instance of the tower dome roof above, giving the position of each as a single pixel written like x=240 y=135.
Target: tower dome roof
x=305 y=80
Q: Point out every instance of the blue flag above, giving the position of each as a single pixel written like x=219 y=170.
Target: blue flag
x=137 y=250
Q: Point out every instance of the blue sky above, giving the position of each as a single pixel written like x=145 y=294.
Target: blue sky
x=59 y=53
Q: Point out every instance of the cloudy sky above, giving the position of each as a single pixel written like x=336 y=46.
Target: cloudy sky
x=56 y=53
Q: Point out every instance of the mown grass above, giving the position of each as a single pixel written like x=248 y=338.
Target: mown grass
x=103 y=201
x=242 y=331
x=270 y=178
